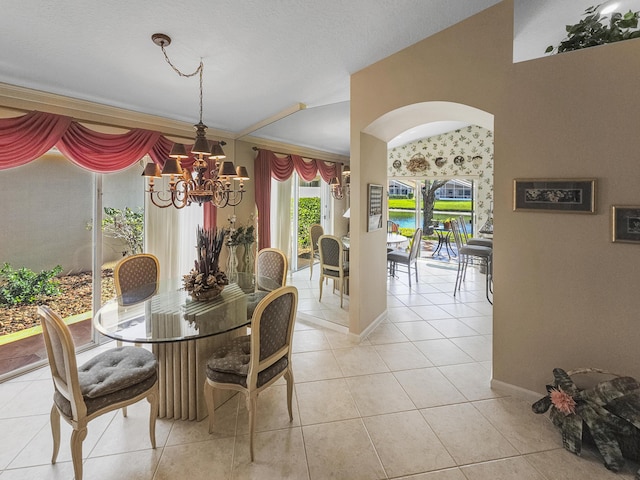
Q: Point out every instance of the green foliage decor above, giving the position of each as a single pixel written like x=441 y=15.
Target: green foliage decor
x=126 y=225
x=592 y=30
x=242 y=236
x=25 y=287
x=308 y=214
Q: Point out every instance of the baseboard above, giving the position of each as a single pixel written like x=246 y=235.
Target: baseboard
x=515 y=391
x=372 y=326
x=322 y=323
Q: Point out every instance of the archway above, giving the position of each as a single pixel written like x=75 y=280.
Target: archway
x=368 y=305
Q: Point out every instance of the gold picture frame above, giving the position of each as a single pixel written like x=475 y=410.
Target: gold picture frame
x=625 y=224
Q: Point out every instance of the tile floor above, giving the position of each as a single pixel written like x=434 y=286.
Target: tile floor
x=410 y=401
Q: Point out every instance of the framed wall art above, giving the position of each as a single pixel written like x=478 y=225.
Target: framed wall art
x=552 y=195
x=374 y=210
x=625 y=223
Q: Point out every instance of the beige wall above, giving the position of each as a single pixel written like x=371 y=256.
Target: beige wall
x=565 y=296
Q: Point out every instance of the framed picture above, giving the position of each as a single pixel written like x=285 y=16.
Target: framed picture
x=625 y=224
x=573 y=196
x=374 y=210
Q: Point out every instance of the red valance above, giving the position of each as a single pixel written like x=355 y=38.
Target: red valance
x=266 y=166
x=26 y=138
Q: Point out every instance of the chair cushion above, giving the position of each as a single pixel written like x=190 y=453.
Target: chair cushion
x=481 y=242
x=398 y=256
x=230 y=364
x=334 y=273
x=114 y=370
x=476 y=250
x=95 y=404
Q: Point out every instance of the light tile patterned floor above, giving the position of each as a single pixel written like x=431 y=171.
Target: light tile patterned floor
x=411 y=401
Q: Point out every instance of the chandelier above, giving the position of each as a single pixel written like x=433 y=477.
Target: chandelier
x=185 y=188
x=338 y=188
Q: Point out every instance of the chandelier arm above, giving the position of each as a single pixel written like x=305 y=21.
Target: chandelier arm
x=156 y=198
x=233 y=200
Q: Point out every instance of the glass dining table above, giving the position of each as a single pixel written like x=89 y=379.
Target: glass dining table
x=183 y=333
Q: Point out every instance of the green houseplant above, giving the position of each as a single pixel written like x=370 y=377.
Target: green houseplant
x=593 y=30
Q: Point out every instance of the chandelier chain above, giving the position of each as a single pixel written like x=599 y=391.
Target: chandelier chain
x=197 y=71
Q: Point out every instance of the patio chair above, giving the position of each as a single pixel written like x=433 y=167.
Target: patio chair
x=398 y=257
x=466 y=253
x=483 y=242
x=110 y=380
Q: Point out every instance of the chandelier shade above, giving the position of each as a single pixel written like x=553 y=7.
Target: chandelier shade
x=151 y=170
x=171 y=167
x=227 y=169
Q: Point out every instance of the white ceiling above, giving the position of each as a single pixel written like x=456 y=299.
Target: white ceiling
x=260 y=57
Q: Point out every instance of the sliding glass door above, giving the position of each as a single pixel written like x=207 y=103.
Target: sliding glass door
x=296 y=205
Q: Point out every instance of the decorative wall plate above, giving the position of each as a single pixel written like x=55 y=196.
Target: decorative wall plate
x=440 y=161
x=417 y=163
x=397 y=164
x=458 y=160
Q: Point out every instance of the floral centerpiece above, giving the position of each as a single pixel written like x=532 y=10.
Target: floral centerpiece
x=206 y=280
x=245 y=237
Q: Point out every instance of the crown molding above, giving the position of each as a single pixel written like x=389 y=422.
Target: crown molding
x=20 y=99
x=25 y=100
x=295 y=149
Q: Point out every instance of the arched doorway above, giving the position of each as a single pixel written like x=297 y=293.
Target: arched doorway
x=368 y=265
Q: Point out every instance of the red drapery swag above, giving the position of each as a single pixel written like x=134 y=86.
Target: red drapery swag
x=26 y=138
x=266 y=166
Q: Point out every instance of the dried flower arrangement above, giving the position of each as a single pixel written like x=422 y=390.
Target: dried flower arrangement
x=206 y=280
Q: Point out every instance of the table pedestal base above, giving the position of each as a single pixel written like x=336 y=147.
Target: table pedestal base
x=182 y=373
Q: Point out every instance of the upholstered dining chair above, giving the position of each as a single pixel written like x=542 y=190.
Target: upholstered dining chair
x=250 y=364
x=408 y=259
x=467 y=253
x=315 y=232
x=271 y=273
x=483 y=242
x=136 y=278
x=113 y=379
x=332 y=263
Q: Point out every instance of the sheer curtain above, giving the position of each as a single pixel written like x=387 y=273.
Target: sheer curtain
x=281 y=215
x=170 y=235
